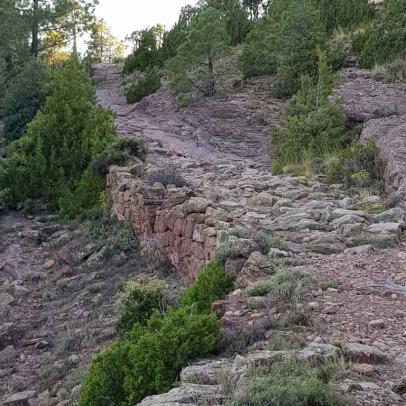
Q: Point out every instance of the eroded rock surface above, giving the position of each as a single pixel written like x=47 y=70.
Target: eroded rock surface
x=328 y=234
x=381 y=108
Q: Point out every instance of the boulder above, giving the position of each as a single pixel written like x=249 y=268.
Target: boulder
x=337 y=213
x=233 y=266
x=206 y=372
x=385 y=228
x=258 y=359
x=347 y=219
x=196 y=205
x=8 y=355
x=363 y=369
x=6 y=299
x=318 y=353
x=262 y=199
x=19 y=399
x=362 y=249
x=392 y=215
x=243 y=247
x=187 y=394
x=257 y=260
x=400 y=386
x=365 y=354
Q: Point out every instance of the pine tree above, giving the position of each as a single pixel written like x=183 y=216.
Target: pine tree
x=24 y=95
x=259 y=53
x=51 y=160
x=174 y=38
x=145 y=54
x=346 y=14
x=237 y=18
x=194 y=66
x=102 y=46
x=302 y=33
x=385 y=40
x=315 y=123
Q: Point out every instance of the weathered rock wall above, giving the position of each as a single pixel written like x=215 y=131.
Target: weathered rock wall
x=381 y=108
x=185 y=226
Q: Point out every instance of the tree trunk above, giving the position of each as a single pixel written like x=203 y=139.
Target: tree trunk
x=9 y=62
x=35 y=29
x=75 y=40
x=210 y=85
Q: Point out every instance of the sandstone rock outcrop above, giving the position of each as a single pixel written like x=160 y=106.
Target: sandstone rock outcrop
x=381 y=108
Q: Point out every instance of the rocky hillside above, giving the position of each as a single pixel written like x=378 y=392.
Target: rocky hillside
x=345 y=240
x=56 y=295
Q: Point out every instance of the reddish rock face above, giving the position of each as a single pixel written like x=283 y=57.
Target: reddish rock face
x=179 y=222
x=381 y=107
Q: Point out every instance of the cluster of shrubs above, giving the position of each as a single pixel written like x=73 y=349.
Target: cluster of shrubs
x=357 y=165
x=291 y=383
x=50 y=161
x=166 y=176
x=285 y=42
x=392 y=72
x=24 y=95
x=104 y=231
x=150 y=83
x=285 y=286
x=64 y=152
x=119 y=152
x=382 y=40
x=317 y=138
x=316 y=124
x=155 y=341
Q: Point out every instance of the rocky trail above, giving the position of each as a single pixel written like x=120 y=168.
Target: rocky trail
x=221 y=129
x=341 y=238
x=56 y=297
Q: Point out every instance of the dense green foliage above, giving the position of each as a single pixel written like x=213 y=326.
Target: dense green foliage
x=144 y=86
x=285 y=42
x=301 y=35
x=148 y=359
x=174 y=38
x=383 y=40
x=24 y=95
x=258 y=55
x=316 y=124
x=194 y=66
x=105 y=232
x=236 y=17
x=120 y=152
x=345 y=14
x=51 y=160
x=104 y=382
x=137 y=302
x=102 y=45
x=358 y=165
x=169 y=344
x=211 y=284
x=291 y=383
x=146 y=53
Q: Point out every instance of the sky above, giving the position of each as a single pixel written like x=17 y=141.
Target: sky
x=126 y=16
